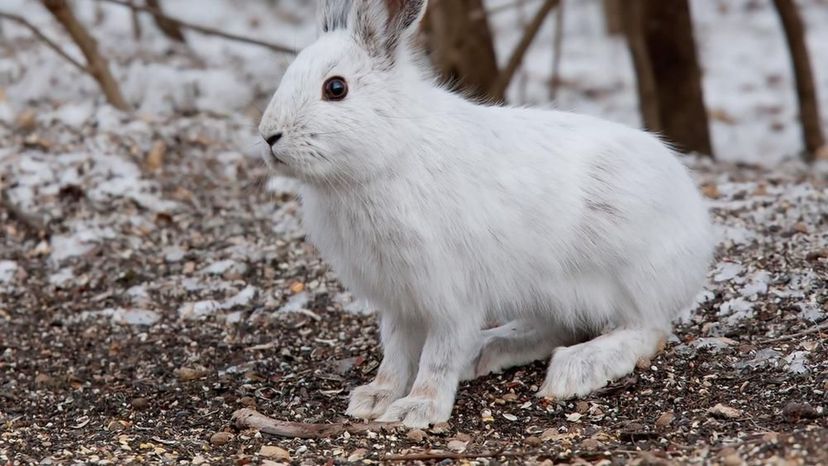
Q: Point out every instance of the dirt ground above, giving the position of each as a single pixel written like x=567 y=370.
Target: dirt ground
x=132 y=325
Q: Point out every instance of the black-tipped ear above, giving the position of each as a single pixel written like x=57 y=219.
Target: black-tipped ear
x=333 y=14
x=383 y=24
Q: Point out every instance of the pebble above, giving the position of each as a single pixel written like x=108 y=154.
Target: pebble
x=457 y=445
x=248 y=401
x=463 y=437
x=732 y=459
x=140 y=403
x=357 y=455
x=440 y=428
x=665 y=419
x=591 y=444
x=533 y=441
x=416 y=435
x=221 y=438
x=724 y=412
x=272 y=451
x=794 y=411
x=188 y=374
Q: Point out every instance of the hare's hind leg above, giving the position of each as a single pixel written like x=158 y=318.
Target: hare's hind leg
x=580 y=369
x=515 y=343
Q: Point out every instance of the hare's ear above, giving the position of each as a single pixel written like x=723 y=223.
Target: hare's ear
x=333 y=14
x=404 y=16
x=382 y=25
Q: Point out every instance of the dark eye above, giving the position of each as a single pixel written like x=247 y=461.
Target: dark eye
x=335 y=89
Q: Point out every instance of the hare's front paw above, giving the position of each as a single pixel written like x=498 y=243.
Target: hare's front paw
x=416 y=412
x=370 y=401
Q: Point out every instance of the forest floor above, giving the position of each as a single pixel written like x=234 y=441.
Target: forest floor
x=144 y=297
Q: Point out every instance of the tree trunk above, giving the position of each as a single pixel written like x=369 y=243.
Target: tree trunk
x=97 y=65
x=667 y=48
x=805 y=88
x=613 y=19
x=461 y=45
x=633 y=20
x=169 y=28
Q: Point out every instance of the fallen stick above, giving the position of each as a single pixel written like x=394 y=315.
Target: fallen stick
x=246 y=418
x=444 y=455
x=816 y=329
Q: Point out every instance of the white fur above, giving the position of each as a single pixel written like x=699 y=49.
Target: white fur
x=448 y=215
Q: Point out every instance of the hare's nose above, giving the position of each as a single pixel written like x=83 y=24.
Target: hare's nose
x=273 y=138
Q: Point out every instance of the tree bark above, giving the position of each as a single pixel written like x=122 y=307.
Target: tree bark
x=613 y=19
x=666 y=46
x=96 y=63
x=169 y=28
x=805 y=88
x=461 y=46
x=633 y=21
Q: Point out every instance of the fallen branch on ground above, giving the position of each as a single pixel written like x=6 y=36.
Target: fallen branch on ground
x=445 y=455
x=201 y=29
x=819 y=328
x=248 y=418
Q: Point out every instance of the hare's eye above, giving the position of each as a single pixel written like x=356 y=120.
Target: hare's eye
x=335 y=88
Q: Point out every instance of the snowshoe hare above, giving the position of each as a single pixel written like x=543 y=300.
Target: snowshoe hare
x=583 y=238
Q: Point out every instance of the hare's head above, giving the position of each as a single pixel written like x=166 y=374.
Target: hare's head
x=337 y=110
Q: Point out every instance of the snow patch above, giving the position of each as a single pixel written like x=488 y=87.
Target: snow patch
x=8 y=269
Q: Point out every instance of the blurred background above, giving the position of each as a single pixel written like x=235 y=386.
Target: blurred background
x=727 y=69
x=154 y=276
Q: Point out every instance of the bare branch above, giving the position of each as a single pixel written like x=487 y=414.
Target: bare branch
x=51 y=44
x=169 y=28
x=480 y=13
x=136 y=23
x=247 y=418
x=202 y=29
x=98 y=67
x=557 y=52
x=505 y=77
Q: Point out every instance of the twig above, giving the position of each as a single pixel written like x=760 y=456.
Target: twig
x=444 y=455
x=249 y=418
x=169 y=28
x=202 y=29
x=557 y=50
x=481 y=13
x=136 y=23
x=516 y=58
x=51 y=44
x=812 y=330
x=98 y=67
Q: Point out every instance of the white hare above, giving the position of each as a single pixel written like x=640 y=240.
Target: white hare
x=584 y=237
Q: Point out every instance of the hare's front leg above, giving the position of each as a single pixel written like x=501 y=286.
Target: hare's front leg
x=402 y=341
x=448 y=348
